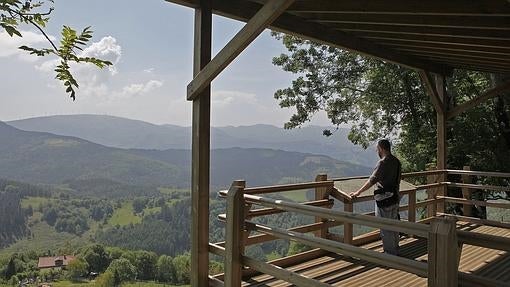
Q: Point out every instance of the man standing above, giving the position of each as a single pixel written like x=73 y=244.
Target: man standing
x=386 y=177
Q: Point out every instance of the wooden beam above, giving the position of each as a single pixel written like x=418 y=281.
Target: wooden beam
x=441 y=137
x=282 y=274
x=442 y=254
x=404 y=7
x=468 y=55
x=461 y=22
x=473 y=50
x=267 y=14
x=201 y=152
x=470 y=42
x=396 y=262
x=320 y=194
x=494 y=92
x=430 y=87
x=234 y=234
x=391 y=31
x=294 y=25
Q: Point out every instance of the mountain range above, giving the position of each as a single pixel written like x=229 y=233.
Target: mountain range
x=42 y=157
x=133 y=134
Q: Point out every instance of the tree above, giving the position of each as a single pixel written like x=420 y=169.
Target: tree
x=105 y=280
x=139 y=204
x=165 y=269
x=146 y=264
x=122 y=271
x=16 y=12
x=382 y=100
x=96 y=258
x=182 y=265
x=77 y=268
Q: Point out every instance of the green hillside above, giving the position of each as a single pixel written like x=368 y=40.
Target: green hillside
x=46 y=158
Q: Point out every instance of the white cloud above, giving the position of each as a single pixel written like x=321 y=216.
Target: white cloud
x=228 y=98
x=9 y=45
x=140 y=89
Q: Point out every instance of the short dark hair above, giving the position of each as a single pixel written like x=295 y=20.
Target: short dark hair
x=384 y=144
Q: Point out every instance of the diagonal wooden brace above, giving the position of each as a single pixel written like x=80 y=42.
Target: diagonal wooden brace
x=260 y=21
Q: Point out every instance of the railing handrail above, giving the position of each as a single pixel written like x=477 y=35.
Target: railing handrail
x=478 y=173
x=350 y=217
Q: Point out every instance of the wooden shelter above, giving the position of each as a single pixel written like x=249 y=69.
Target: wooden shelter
x=433 y=37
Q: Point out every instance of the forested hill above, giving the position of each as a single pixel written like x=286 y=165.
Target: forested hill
x=127 y=133
x=47 y=158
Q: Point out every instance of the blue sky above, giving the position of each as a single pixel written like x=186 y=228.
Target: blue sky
x=151 y=45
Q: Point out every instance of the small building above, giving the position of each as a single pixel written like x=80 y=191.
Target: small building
x=54 y=261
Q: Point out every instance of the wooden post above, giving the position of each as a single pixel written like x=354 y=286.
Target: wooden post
x=411 y=202
x=349 y=207
x=234 y=234
x=441 y=137
x=201 y=152
x=321 y=193
x=467 y=209
x=442 y=253
x=431 y=194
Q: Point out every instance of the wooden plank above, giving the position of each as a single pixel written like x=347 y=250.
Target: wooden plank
x=321 y=193
x=484 y=240
x=403 y=7
x=267 y=14
x=451 y=49
x=477 y=220
x=281 y=273
x=421 y=173
x=475 y=202
x=494 y=92
x=287 y=187
x=430 y=87
x=390 y=31
x=260 y=238
x=201 y=152
x=383 y=259
x=487 y=57
x=431 y=195
x=377 y=222
x=442 y=254
x=327 y=203
x=460 y=22
x=445 y=40
x=472 y=280
x=234 y=234
x=479 y=173
x=479 y=186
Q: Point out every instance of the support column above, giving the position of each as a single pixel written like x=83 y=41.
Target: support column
x=441 y=136
x=201 y=151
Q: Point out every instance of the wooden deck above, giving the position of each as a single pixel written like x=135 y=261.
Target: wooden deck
x=339 y=270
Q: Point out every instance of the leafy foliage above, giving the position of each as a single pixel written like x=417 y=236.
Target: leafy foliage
x=15 y=12
x=383 y=100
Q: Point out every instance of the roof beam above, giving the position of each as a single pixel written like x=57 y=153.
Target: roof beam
x=406 y=7
x=430 y=87
x=258 y=23
x=502 y=44
x=422 y=31
x=494 y=92
x=287 y=23
x=463 y=22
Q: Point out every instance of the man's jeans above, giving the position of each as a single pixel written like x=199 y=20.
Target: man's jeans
x=389 y=238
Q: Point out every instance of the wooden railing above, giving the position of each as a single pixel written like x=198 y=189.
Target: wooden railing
x=444 y=241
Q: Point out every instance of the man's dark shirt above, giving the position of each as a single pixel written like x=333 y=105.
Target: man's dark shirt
x=386 y=174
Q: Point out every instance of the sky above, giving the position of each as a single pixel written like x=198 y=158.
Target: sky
x=151 y=47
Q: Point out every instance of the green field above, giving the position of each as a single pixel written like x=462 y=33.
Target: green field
x=43 y=237
x=91 y=283
x=35 y=201
x=124 y=215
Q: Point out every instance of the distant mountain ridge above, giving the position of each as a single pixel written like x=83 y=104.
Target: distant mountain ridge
x=38 y=157
x=126 y=133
